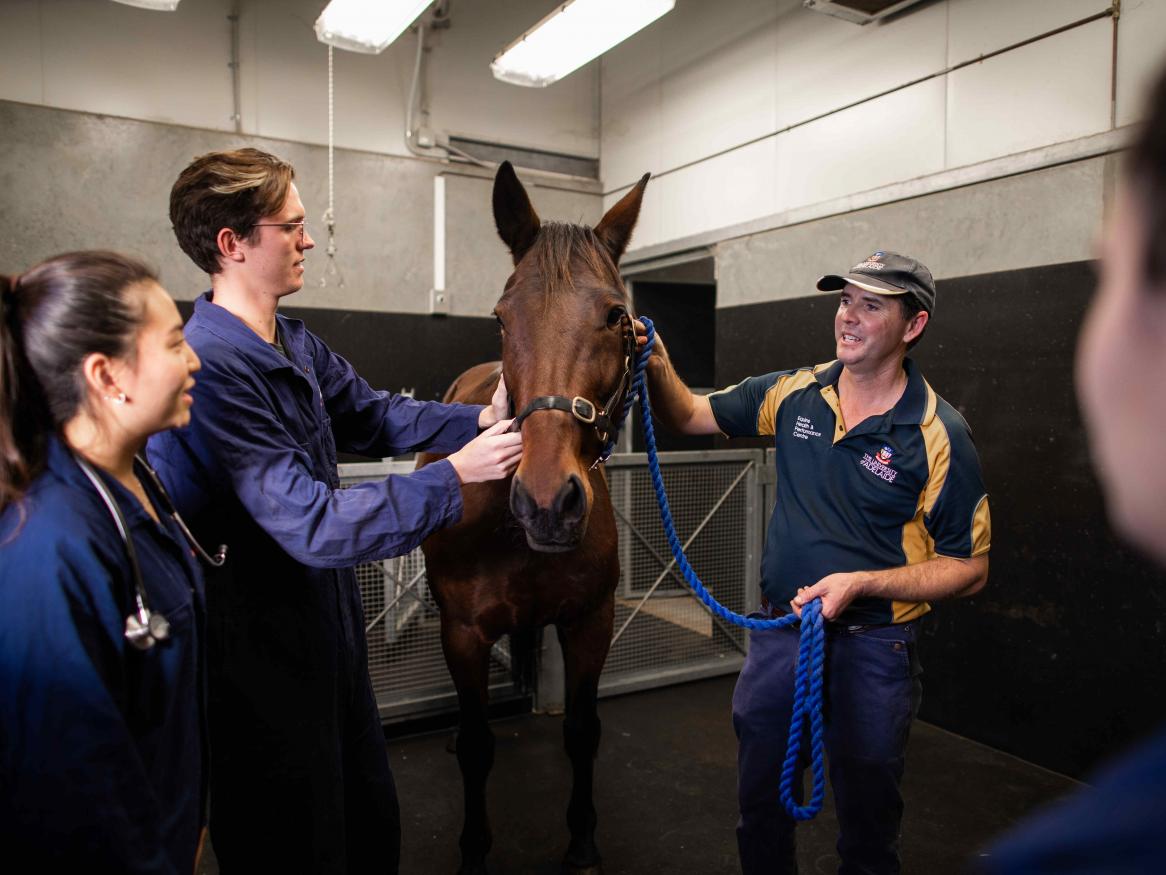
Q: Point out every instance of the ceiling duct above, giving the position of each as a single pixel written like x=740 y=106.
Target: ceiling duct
x=532 y=159
x=859 y=11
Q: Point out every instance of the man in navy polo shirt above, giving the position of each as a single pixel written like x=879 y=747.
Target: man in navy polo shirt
x=881 y=509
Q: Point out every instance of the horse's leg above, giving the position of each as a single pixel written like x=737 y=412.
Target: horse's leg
x=585 y=644
x=467 y=656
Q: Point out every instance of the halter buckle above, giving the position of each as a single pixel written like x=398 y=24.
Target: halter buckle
x=583 y=410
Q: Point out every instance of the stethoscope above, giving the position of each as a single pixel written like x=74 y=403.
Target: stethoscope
x=145 y=628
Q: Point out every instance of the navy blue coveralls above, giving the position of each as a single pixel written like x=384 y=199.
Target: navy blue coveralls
x=895 y=489
x=101 y=744
x=1116 y=825
x=301 y=780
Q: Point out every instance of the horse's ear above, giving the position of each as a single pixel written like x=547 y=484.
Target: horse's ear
x=615 y=228
x=515 y=218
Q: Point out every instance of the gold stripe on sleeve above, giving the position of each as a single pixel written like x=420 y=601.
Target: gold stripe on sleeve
x=918 y=545
x=981 y=528
x=782 y=388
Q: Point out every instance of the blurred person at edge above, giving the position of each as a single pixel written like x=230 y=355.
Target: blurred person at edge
x=300 y=774
x=1118 y=825
x=102 y=747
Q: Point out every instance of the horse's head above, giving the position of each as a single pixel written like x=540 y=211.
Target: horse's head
x=566 y=343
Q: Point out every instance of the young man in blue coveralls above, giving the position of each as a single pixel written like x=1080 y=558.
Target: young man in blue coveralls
x=880 y=509
x=300 y=776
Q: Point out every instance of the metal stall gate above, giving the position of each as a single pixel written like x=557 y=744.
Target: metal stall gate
x=663 y=634
x=409 y=677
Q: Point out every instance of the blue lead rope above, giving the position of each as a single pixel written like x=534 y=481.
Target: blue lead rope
x=811 y=647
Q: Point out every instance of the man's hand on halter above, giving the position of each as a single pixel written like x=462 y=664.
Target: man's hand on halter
x=499 y=407
x=641 y=330
x=676 y=407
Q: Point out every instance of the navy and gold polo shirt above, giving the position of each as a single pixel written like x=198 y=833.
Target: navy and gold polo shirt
x=898 y=489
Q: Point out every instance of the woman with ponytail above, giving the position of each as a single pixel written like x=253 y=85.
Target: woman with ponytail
x=101 y=723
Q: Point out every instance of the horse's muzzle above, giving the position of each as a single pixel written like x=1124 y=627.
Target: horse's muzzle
x=553 y=529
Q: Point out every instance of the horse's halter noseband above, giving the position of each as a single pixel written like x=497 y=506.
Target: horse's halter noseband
x=602 y=419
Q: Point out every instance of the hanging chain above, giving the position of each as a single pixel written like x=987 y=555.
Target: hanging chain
x=331 y=269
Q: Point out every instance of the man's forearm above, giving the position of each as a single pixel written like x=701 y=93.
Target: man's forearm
x=672 y=401
x=940 y=578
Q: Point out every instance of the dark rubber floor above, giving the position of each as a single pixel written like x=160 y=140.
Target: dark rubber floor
x=665 y=793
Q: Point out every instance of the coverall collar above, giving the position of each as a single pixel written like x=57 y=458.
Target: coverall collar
x=234 y=331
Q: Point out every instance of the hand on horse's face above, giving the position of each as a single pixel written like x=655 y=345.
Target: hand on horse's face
x=492 y=455
x=499 y=407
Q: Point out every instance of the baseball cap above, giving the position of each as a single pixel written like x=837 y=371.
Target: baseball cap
x=887 y=273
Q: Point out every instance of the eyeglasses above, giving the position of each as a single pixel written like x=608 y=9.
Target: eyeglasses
x=302 y=226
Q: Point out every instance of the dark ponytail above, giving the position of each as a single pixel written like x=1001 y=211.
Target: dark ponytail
x=51 y=318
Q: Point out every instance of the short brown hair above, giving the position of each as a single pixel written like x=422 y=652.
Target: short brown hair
x=225 y=190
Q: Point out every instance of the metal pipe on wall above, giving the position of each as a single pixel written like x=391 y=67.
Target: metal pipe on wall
x=237 y=115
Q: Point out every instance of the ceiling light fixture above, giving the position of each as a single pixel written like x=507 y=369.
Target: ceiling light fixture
x=367 y=26
x=572 y=35
x=158 y=5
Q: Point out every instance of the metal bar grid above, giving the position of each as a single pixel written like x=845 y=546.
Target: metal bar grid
x=668 y=636
x=664 y=633
x=403 y=627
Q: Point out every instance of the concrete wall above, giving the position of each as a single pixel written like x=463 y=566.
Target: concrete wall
x=104 y=57
x=72 y=180
x=756 y=115
x=1047 y=216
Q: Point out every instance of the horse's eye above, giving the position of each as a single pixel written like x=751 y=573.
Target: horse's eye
x=498 y=319
x=615 y=316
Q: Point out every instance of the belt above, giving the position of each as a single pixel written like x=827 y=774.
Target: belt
x=852 y=629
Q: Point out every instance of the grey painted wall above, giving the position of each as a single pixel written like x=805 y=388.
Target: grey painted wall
x=72 y=180
x=1047 y=216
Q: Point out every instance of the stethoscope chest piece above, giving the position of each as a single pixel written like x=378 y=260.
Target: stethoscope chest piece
x=144 y=628
x=143 y=636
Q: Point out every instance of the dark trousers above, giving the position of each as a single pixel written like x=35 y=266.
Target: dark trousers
x=872 y=695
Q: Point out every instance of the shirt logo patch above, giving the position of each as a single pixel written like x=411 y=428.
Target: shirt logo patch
x=804 y=429
x=879 y=468
x=884 y=455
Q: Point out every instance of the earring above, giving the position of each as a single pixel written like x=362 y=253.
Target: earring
x=119 y=398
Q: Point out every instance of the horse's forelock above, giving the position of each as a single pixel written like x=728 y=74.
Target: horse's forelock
x=559 y=244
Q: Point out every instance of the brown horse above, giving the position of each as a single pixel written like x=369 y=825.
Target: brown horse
x=541 y=548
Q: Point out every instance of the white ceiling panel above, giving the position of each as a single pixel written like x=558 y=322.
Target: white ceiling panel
x=1051 y=91
x=890 y=139
x=977 y=27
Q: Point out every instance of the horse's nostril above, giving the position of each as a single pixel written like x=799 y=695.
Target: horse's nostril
x=571 y=502
x=521 y=503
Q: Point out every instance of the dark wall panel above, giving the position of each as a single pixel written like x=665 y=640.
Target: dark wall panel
x=400 y=350
x=686 y=315
x=1060 y=659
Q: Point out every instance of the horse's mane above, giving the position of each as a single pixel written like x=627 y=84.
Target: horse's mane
x=558 y=244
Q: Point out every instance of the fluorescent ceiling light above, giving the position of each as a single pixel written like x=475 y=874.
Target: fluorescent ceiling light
x=366 y=25
x=572 y=35
x=160 y=5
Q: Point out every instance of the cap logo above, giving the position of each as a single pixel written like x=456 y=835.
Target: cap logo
x=872 y=263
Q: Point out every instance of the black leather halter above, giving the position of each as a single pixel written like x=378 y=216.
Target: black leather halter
x=602 y=419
